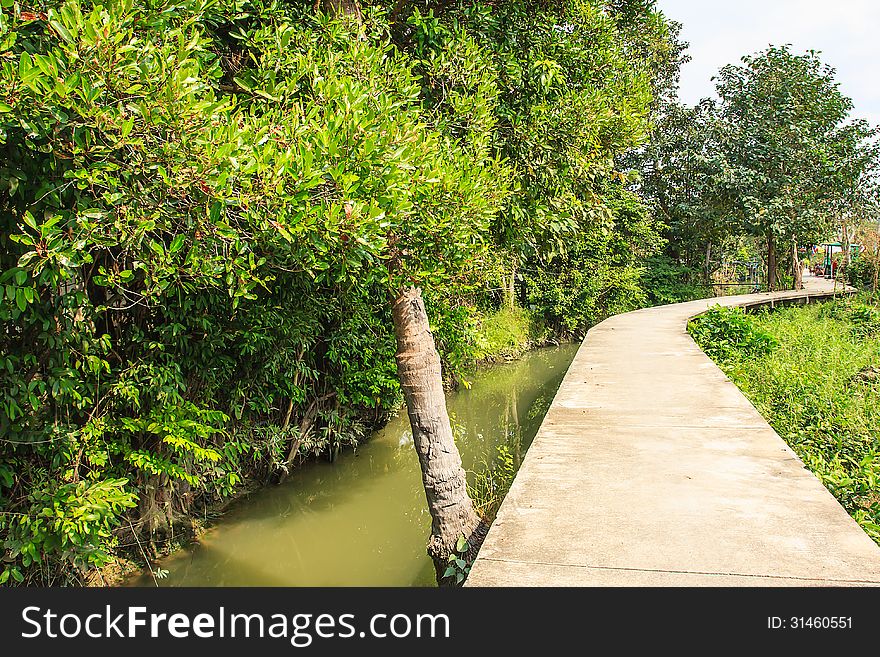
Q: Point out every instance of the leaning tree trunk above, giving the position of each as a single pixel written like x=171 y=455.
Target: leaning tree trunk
x=772 y=272
x=418 y=367
x=796 y=268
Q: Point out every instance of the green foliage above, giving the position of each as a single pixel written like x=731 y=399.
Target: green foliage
x=667 y=281
x=776 y=159
x=71 y=522
x=206 y=206
x=491 y=483
x=600 y=273
x=459 y=567
x=575 y=83
x=505 y=333
x=861 y=273
x=725 y=333
x=862 y=318
x=680 y=177
x=820 y=390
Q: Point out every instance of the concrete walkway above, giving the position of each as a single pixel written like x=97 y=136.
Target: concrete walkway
x=652 y=469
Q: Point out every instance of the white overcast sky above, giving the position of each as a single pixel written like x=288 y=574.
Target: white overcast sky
x=846 y=32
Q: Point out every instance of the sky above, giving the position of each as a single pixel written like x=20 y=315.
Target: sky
x=720 y=32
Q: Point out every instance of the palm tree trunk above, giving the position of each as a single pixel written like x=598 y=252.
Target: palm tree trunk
x=418 y=367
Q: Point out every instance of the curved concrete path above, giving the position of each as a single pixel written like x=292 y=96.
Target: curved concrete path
x=651 y=468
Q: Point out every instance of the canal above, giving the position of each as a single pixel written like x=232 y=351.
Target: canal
x=363 y=520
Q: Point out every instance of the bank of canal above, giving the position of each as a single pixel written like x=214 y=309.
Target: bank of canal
x=363 y=520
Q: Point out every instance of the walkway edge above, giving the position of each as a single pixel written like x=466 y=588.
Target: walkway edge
x=651 y=468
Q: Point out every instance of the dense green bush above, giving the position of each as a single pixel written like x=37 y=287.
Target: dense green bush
x=206 y=204
x=667 y=281
x=725 y=333
x=860 y=273
x=597 y=275
x=862 y=318
x=182 y=264
x=575 y=97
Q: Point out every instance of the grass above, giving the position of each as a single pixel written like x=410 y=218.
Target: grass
x=818 y=385
x=492 y=482
x=506 y=334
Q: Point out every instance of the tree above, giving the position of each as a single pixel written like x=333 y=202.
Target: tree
x=853 y=182
x=217 y=225
x=678 y=169
x=220 y=249
x=783 y=123
x=680 y=177
x=421 y=380
x=418 y=365
x=576 y=82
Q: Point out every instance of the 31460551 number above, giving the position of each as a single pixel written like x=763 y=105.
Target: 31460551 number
x=809 y=622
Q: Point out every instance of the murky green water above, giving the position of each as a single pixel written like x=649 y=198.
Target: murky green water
x=363 y=521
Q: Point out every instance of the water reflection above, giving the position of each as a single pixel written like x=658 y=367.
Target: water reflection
x=363 y=521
